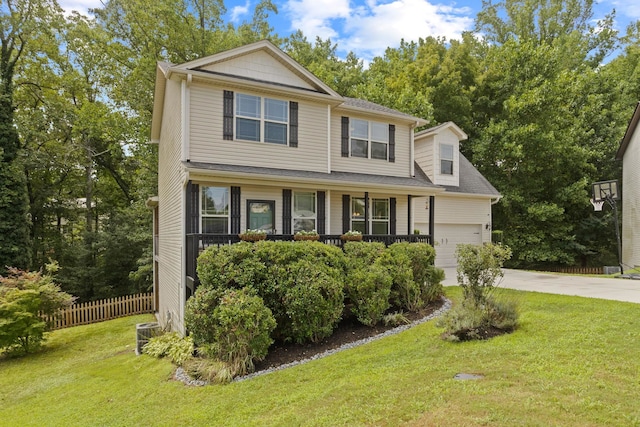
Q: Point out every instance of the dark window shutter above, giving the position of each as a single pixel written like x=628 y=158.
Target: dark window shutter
x=227 y=120
x=293 y=124
x=235 y=210
x=392 y=143
x=193 y=208
x=321 y=215
x=286 y=211
x=345 y=137
x=346 y=213
x=392 y=215
x=366 y=212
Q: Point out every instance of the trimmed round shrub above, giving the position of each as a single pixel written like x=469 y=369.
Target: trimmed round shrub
x=405 y=292
x=368 y=290
x=312 y=301
x=233 y=326
x=427 y=278
x=231 y=266
x=362 y=254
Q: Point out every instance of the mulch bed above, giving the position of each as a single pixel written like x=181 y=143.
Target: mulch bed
x=348 y=330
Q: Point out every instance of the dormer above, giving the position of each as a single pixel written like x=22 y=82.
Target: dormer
x=437 y=152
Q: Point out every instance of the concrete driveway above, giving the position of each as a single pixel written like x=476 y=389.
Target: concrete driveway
x=592 y=287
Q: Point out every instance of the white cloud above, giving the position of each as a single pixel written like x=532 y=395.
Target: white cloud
x=81 y=6
x=628 y=8
x=238 y=11
x=369 y=28
x=317 y=17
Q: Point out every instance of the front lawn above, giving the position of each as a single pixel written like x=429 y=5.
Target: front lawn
x=573 y=362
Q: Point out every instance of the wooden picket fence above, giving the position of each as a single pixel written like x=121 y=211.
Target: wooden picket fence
x=578 y=270
x=99 y=311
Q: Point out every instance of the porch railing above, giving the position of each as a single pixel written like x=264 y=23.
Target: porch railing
x=196 y=243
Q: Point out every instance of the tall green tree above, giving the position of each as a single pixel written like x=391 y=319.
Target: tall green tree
x=20 y=23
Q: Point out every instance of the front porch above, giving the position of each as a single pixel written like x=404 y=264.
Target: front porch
x=196 y=243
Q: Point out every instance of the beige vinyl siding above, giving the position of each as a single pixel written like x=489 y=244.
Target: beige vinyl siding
x=454 y=210
x=424 y=155
x=401 y=166
x=631 y=204
x=336 y=209
x=207 y=144
x=260 y=66
x=170 y=196
x=447 y=137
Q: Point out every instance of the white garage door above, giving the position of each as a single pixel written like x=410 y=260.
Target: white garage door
x=449 y=235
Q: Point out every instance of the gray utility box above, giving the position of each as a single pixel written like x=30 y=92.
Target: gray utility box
x=611 y=269
x=145 y=331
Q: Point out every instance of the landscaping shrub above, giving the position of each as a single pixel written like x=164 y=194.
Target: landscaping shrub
x=24 y=298
x=362 y=254
x=170 y=345
x=470 y=321
x=368 y=290
x=312 y=301
x=481 y=314
x=479 y=266
x=231 y=266
x=233 y=326
x=416 y=281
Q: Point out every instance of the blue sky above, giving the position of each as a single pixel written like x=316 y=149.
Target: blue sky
x=368 y=27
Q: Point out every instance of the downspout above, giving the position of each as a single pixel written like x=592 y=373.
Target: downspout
x=185 y=100
x=328 y=138
x=412 y=150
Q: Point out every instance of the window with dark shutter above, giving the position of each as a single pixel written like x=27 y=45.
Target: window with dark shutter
x=286 y=211
x=293 y=124
x=345 y=137
x=392 y=143
x=235 y=210
x=392 y=215
x=321 y=215
x=346 y=213
x=227 y=121
x=192 y=206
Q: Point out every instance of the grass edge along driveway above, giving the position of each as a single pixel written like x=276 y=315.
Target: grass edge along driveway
x=573 y=362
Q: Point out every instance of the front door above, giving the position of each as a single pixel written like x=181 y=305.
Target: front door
x=261 y=215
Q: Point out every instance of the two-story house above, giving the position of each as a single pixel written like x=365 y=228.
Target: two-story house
x=629 y=154
x=249 y=139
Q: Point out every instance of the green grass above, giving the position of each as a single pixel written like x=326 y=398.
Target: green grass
x=573 y=362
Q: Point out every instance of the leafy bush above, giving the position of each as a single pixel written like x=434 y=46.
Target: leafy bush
x=470 y=321
x=231 y=266
x=481 y=314
x=24 y=298
x=368 y=290
x=233 y=326
x=416 y=281
x=479 y=266
x=170 y=345
x=312 y=301
x=362 y=254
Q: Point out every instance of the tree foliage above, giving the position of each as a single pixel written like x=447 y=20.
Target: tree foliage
x=24 y=298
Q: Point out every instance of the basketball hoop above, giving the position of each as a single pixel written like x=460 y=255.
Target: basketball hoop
x=597 y=204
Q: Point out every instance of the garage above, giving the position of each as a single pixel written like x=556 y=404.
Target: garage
x=448 y=236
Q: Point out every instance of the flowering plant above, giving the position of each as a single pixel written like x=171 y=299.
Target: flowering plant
x=252 y=235
x=351 y=235
x=306 y=233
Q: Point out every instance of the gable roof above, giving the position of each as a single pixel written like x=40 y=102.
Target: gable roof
x=206 y=64
x=439 y=128
x=361 y=105
x=472 y=181
x=631 y=128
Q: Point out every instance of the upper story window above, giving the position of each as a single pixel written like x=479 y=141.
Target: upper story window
x=446 y=159
x=261 y=119
x=304 y=211
x=378 y=215
x=214 y=210
x=369 y=139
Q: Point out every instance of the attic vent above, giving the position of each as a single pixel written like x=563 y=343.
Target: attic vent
x=144 y=331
